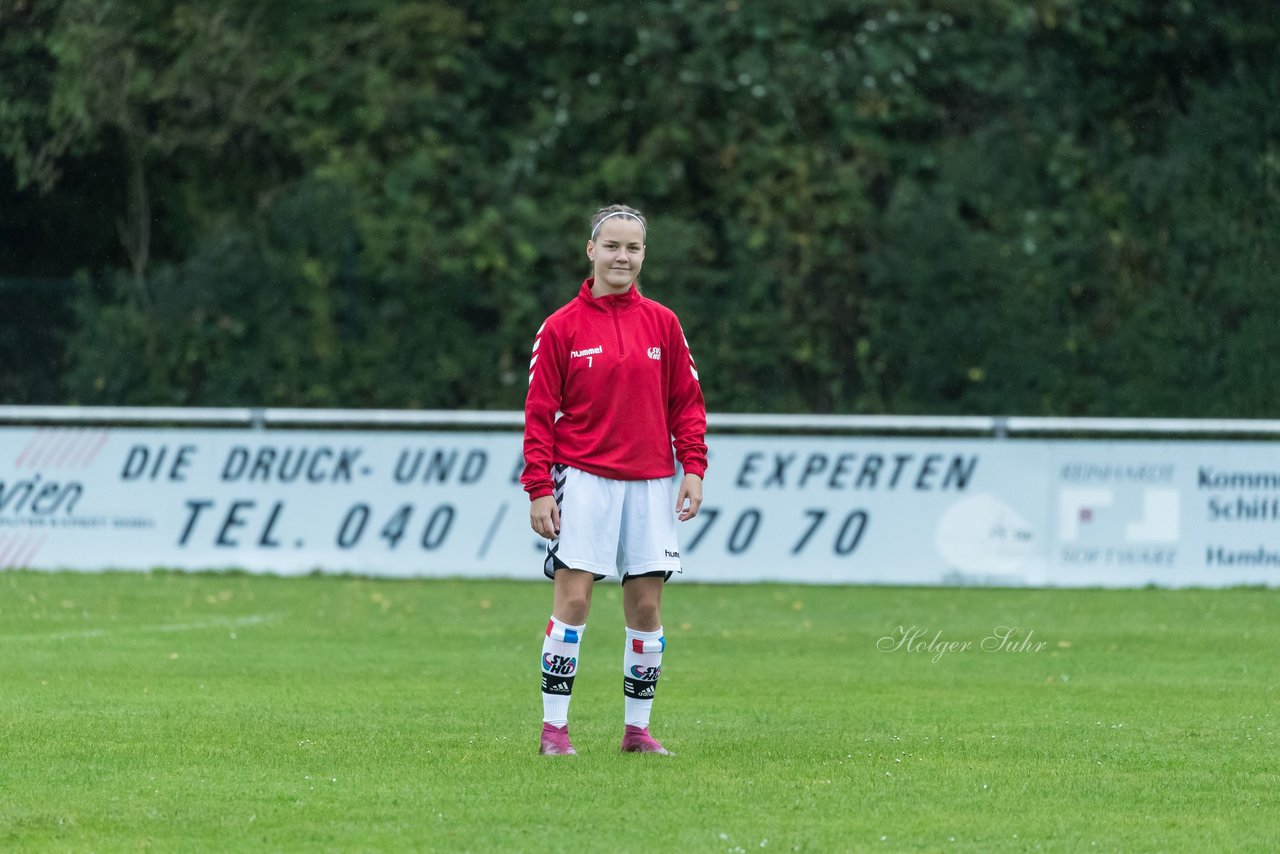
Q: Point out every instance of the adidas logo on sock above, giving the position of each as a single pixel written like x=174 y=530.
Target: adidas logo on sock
x=559 y=688
x=646 y=693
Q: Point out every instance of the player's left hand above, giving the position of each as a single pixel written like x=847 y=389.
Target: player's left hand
x=689 y=499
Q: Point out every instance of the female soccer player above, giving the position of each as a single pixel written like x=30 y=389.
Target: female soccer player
x=611 y=387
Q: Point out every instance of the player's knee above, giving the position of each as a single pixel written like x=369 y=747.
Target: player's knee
x=644 y=615
x=573 y=608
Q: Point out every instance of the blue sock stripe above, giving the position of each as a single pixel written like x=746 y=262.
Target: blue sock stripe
x=558 y=631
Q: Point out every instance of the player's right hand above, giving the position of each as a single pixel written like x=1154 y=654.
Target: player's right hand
x=544 y=517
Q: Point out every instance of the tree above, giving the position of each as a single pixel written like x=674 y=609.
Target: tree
x=1058 y=207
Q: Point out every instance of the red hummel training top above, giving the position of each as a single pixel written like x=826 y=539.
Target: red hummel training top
x=618 y=369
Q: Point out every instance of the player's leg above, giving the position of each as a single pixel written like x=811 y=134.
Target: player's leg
x=560 y=656
x=650 y=555
x=572 y=561
x=641 y=659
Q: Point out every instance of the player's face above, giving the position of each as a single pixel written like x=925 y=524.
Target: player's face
x=617 y=254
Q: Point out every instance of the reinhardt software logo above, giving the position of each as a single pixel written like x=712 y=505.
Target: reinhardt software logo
x=1008 y=639
x=1124 y=515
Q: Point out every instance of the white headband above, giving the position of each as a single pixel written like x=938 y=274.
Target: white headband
x=608 y=217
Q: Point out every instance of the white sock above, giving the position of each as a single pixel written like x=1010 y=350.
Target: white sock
x=560 y=651
x=641 y=667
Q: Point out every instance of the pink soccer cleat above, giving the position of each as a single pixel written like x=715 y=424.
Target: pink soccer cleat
x=555 y=741
x=637 y=740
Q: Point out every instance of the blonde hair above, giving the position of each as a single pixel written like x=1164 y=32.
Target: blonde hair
x=617 y=210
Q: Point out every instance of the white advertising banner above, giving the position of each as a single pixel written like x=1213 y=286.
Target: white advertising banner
x=778 y=508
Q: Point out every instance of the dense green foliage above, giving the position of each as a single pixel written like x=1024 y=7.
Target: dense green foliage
x=181 y=712
x=1052 y=207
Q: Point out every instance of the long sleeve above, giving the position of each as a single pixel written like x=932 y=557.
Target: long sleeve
x=546 y=373
x=686 y=409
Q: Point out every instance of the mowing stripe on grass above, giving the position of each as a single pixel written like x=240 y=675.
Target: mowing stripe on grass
x=214 y=623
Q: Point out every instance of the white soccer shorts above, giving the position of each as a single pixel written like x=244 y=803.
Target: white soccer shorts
x=616 y=528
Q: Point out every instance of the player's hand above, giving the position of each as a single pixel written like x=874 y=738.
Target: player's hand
x=544 y=516
x=689 y=499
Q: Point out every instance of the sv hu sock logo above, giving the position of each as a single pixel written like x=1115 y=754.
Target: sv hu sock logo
x=559 y=665
x=646 y=674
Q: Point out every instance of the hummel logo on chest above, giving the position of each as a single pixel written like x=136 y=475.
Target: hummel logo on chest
x=592 y=351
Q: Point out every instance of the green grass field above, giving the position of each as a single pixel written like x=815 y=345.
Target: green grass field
x=230 y=712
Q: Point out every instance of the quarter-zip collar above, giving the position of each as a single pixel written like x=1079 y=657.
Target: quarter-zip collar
x=610 y=302
x=613 y=305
